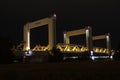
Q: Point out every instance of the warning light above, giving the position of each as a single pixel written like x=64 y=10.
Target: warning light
x=54 y=15
x=108 y=34
x=89 y=27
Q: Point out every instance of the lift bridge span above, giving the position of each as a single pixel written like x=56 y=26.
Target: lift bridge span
x=67 y=47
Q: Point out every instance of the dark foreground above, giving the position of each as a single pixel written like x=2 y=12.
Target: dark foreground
x=82 y=70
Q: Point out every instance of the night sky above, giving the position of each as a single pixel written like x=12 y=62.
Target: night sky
x=102 y=15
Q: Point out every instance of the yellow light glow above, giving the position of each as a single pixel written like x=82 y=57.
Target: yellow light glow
x=28 y=46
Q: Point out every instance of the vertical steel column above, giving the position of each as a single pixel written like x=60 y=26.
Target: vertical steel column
x=26 y=37
x=89 y=39
x=52 y=32
x=108 y=43
x=66 y=38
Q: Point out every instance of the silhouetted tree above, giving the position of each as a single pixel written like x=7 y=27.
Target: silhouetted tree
x=57 y=56
x=6 y=55
x=117 y=54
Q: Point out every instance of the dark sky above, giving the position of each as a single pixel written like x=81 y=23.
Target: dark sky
x=102 y=15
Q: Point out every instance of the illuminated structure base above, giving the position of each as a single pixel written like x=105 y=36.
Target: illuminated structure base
x=45 y=56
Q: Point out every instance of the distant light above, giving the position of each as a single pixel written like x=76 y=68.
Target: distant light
x=64 y=58
x=74 y=57
x=89 y=27
x=117 y=51
x=91 y=52
x=54 y=15
x=28 y=53
x=111 y=57
x=92 y=57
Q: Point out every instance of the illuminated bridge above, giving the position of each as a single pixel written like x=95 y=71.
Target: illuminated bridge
x=65 y=47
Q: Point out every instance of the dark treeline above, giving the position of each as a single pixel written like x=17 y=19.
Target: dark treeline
x=118 y=48
x=6 y=55
x=117 y=54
